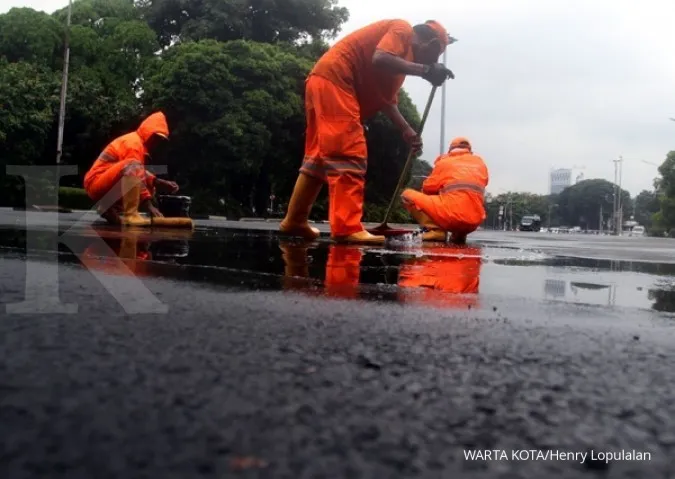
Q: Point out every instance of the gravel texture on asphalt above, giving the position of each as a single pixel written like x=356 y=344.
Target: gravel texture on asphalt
x=236 y=383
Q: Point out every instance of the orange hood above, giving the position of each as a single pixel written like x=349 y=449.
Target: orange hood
x=155 y=124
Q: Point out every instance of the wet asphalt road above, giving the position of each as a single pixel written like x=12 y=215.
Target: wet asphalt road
x=251 y=375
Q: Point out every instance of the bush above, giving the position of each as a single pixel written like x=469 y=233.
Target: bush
x=74 y=198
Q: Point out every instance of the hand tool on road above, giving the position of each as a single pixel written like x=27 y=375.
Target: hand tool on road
x=384 y=229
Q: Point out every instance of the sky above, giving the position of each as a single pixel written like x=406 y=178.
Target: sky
x=543 y=85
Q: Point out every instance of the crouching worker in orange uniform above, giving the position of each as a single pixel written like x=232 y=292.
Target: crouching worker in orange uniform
x=358 y=77
x=119 y=173
x=452 y=197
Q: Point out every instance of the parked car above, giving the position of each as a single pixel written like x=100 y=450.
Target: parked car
x=637 y=231
x=530 y=223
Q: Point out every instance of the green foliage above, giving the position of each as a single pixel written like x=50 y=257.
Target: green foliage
x=517 y=205
x=74 y=198
x=584 y=200
x=268 y=21
x=30 y=36
x=387 y=153
x=664 y=220
x=230 y=78
x=646 y=204
x=236 y=111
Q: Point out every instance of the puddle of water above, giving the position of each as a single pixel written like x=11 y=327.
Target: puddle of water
x=433 y=275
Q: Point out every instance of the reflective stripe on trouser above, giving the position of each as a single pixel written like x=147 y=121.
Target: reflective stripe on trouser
x=99 y=185
x=346 y=179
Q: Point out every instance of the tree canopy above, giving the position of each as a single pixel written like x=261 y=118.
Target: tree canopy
x=229 y=75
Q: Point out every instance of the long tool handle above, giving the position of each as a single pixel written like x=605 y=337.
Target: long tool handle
x=411 y=155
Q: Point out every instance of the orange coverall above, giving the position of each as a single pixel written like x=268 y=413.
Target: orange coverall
x=125 y=155
x=453 y=194
x=343 y=90
x=447 y=278
x=129 y=260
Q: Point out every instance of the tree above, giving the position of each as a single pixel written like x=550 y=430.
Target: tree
x=516 y=205
x=581 y=204
x=30 y=36
x=267 y=21
x=664 y=219
x=234 y=110
x=110 y=48
x=29 y=98
x=645 y=205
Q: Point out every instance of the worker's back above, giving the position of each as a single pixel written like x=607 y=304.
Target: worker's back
x=460 y=178
x=349 y=63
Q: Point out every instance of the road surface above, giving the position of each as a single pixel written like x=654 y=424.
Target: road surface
x=264 y=358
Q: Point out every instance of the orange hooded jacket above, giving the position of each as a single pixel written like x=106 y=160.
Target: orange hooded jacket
x=122 y=151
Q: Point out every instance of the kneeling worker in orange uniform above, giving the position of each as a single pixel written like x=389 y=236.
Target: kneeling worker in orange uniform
x=358 y=77
x=452 y=197
x=119 y=173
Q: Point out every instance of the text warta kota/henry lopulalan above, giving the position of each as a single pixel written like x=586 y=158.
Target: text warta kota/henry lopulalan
x=554 y=455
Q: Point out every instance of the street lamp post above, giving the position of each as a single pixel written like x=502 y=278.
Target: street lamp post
x=64 y=86
x=451 y=40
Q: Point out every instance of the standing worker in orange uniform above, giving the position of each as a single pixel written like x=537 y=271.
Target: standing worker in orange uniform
x=119 y=172
x=452 y=197
x=358 y=77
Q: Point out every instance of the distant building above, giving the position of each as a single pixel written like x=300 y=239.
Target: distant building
x=560 y=179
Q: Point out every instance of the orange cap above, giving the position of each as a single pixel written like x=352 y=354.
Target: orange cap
x=441 y=32
x=460 y=142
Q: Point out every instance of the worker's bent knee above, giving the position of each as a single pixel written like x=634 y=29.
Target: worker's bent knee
x=133 y=169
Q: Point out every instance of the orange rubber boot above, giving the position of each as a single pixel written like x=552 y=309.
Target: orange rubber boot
x=296 y=222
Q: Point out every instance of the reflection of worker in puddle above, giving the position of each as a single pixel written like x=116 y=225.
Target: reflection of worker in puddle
x=129 y=253
x=124 y=255
x=342 y=269
x=444 y=277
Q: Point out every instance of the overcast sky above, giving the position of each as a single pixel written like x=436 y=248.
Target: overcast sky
x=541 y=85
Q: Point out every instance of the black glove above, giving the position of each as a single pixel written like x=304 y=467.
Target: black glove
x=436 y=74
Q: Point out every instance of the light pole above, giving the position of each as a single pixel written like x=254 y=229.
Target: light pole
x=617 y=214
x=442 y=149
x=64 y=86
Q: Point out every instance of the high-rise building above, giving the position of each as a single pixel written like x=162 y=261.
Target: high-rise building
x=560 y=179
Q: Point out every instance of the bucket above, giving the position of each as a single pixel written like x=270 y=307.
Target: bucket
x=174 y=206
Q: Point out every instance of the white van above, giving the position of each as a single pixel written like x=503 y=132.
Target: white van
x=637 y=231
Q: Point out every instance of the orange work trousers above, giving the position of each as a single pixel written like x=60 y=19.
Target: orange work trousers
x=99 y=185
x=456 y=212
x=335 y=151
x=343 y=271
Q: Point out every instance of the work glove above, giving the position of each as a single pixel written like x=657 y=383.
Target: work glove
x=436 y=74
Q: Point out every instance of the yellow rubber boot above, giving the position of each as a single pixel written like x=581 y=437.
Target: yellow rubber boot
x=296 y=262
x=362 y=237
x=434 y=233
x=131 y=200
x=296 y=222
